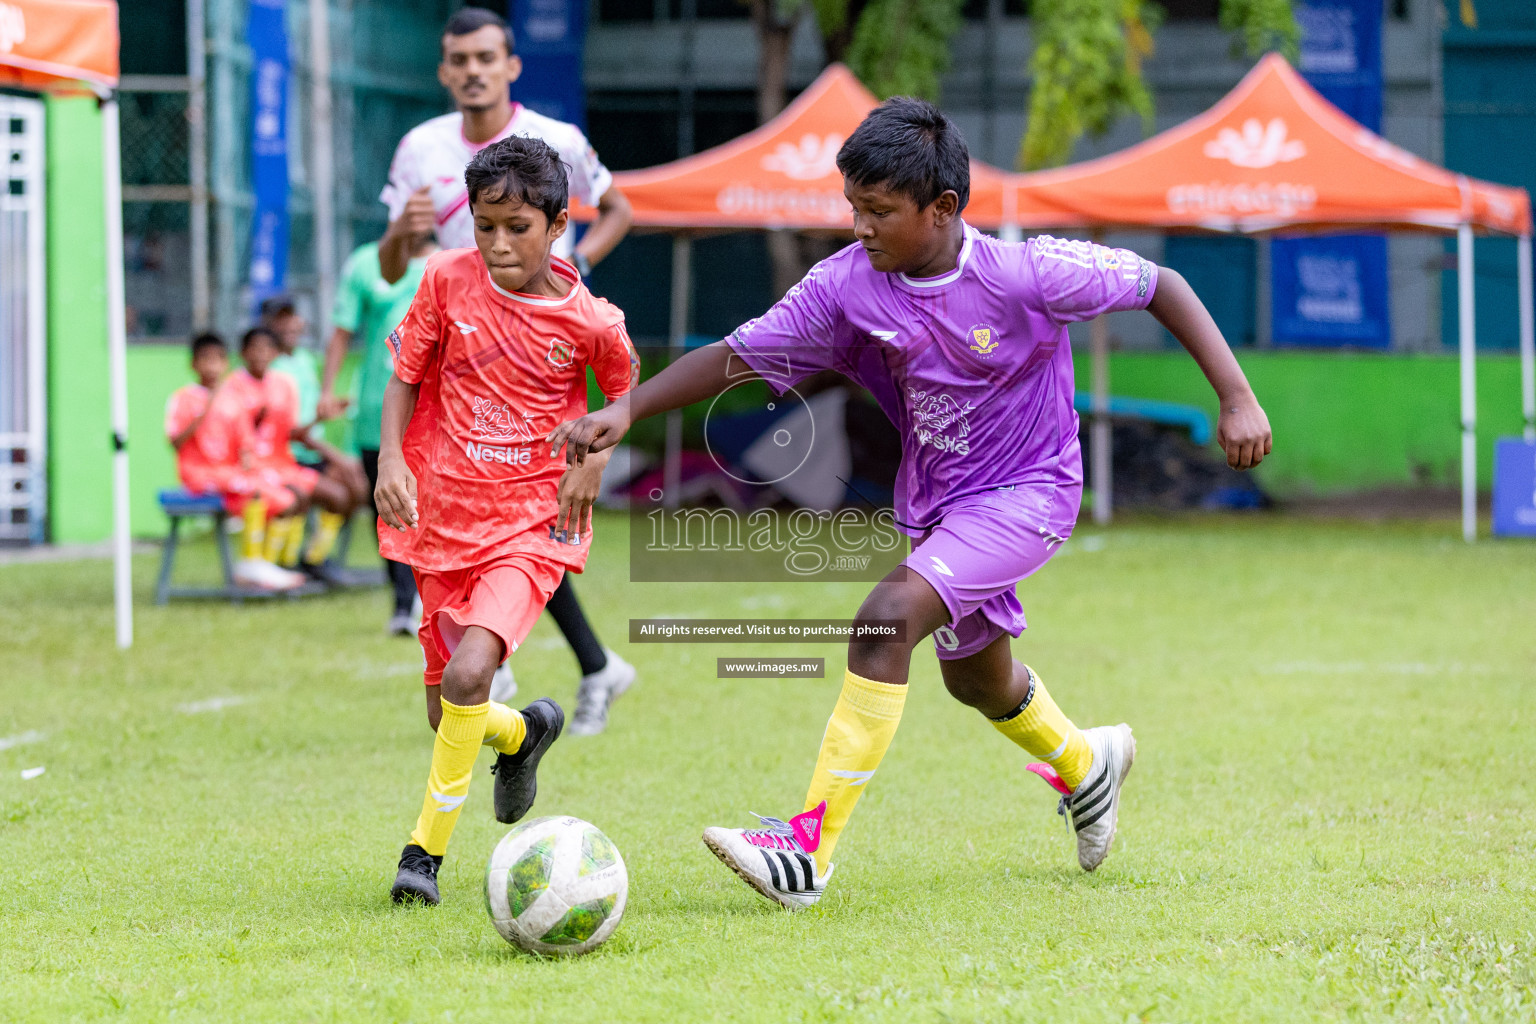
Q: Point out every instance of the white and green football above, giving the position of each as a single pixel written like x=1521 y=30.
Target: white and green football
x=556 y=886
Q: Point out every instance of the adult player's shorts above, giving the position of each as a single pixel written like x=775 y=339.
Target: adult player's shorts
x=504 y=596
x=980 y=550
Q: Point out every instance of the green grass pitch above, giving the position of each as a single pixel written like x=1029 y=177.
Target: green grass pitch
x=1331 y=815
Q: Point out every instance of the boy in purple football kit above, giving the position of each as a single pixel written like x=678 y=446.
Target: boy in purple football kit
x=962 y=341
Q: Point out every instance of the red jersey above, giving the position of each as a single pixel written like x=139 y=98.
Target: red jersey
x=271 y=405
x=497 y=371
x=216 y=445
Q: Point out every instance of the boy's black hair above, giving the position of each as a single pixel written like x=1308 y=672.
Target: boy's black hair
x=275 y=306
x=472 y=19
x=255 y=332
x=517 y=167
x=910 y=147
x=207 y=339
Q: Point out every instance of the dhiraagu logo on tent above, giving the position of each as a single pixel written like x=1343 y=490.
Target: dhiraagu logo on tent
x=13 y=27
x=813 y=158
x=1257 y=145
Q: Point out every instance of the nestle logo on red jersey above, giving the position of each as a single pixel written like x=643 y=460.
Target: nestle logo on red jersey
x=506 y=456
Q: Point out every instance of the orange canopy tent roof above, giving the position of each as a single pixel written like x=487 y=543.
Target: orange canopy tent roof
x=1273 y=154
x=45 y=43
x=782 y=174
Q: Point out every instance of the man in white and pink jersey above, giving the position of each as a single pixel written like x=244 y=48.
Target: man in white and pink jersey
x=962 y=340
x=426 y=194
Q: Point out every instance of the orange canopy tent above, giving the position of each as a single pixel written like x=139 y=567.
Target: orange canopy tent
x=1273 y=155
x=58 y=45
x=782 y=174
x=45 y=44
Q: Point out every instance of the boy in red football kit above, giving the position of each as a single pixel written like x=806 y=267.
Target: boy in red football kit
x=206 y=425
x=491 y=357
x=271 y=402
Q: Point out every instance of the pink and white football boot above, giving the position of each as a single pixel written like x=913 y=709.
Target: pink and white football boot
x=1092 y=810
x=776 y=859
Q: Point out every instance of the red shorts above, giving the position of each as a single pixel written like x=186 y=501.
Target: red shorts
x=504 y=596
x=292 y=475
x=238 y=486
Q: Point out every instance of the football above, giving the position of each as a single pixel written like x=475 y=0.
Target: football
x=556 y=886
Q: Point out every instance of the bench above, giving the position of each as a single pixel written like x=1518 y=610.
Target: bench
x=179 y=503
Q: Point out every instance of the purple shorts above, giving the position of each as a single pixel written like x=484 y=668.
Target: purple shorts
x=980 y=550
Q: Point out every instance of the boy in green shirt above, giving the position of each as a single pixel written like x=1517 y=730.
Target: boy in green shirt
x=282 y=320
x=367 y=308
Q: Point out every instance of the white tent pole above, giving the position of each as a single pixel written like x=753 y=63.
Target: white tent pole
x=672 y=459
x=1101 y=450
x=197 y=160
x=1468 y=347
x=1010 y=231
x=1527 y=336
x=117 y=357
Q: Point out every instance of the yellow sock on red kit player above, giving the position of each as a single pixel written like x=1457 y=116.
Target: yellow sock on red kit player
x=504 y=729
x=293 y=543
x=279 y=532
x=461 y=733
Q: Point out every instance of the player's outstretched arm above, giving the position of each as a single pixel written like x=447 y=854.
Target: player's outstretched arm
x=415 y=221
x=332 y=405
x=395 y=496
x=703 y=373
x=1242 y=429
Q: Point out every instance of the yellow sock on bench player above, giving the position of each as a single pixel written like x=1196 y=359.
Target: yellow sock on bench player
x=253 y=533
x=327 y=526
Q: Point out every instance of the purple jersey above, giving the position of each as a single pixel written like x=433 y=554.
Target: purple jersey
x=973 y=367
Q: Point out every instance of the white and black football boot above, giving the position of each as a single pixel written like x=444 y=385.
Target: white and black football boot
x=776 y=859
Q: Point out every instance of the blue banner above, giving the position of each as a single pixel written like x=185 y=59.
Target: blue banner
x=1341 y=54
x=267 y=36
x=1514 y=487
x=551 y=35
x=1333 y=291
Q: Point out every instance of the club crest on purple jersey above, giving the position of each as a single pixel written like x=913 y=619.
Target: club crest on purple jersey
x=982 y=338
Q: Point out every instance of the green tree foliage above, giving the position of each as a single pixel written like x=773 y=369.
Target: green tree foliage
x=1262 y=25
x=901 y=47
x=1087 y=72
x=1086 y=67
